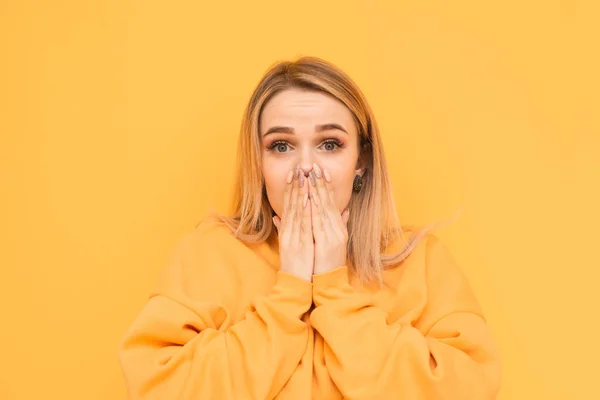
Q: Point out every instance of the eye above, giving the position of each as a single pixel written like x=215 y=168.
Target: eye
x=332 y=145
x=279 y=146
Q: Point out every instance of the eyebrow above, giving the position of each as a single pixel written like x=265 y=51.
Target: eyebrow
x=318 y=128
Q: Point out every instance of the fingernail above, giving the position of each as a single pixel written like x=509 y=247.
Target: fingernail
x=305 y=199
x=302 y=180
x=298 y=171
x=311 y=177
x=317 y=170
x=290 y=176
x=327 y=175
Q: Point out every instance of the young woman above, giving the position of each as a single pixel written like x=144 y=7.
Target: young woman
x=311 y=289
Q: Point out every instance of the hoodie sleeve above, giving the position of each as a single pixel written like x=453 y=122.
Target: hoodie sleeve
x=183 y=348
x=449 y=356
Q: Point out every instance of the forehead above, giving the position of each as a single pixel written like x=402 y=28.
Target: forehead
x=299 y=106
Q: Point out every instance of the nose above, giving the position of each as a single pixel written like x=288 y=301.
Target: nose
x=306 y=163
x=306 y=169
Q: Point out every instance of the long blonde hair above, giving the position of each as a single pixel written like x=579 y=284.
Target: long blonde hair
x=371 y=210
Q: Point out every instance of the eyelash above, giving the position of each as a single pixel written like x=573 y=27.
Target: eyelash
x=336 y=142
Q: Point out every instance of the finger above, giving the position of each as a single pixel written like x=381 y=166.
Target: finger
x=331 y=219
x=332 y=209
x=322 y=198
x=288 y=191
x=299 y=201
x=306 y=234
x=317 y=219
x=320 y=187
x=328 y=186
x=288 y=217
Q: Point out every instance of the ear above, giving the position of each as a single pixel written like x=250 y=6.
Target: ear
x=359 y=171
x=361 y=166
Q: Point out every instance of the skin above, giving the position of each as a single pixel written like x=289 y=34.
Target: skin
x=309 y=164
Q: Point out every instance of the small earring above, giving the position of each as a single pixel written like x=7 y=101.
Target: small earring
x=357 y=184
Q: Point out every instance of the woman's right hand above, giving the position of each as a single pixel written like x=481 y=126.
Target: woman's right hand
x=296 y=246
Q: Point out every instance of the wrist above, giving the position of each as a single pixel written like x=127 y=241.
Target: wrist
x=305 y=276
x=323 y=269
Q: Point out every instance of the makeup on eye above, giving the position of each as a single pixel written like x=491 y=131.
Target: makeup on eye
x=329 y=145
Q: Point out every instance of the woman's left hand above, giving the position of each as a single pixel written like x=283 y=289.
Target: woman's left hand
x=330 y=228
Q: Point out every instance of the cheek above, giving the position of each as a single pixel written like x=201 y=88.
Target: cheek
x=342 y=187
x=275 y=186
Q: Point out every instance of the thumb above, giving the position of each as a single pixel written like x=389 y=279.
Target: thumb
x=346 y=216
x=276 y=221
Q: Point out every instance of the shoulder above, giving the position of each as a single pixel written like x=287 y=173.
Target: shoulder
x=424 y=250
x=413 y=241
x=432 y=270
x=207 y=238
x=446 y=281
x=199 y=256
x=433 y=253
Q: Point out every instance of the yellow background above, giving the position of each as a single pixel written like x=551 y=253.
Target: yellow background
x=119 y=125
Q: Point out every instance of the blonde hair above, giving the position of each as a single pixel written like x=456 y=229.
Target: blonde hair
x=371 y=210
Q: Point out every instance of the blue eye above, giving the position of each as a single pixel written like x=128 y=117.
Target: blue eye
x=279 y=146
x=332 y=145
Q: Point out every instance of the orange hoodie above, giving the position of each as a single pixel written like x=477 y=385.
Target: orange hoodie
x=225 y=323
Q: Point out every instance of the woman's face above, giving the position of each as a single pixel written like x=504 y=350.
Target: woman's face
x=299 y=127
